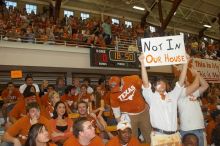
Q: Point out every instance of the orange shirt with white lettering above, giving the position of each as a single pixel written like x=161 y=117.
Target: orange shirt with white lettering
x=19 y=109
x=130 y=99
x=14 y=97
x=21 y=127
x=72 y=141
x=115 y=142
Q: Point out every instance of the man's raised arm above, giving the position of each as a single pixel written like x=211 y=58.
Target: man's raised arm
x=143 y=71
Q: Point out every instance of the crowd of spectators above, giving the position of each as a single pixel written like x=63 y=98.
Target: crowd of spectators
x=16 y=24
x=81 y=99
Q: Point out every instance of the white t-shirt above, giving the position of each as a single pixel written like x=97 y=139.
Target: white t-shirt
x=22 y=88
x=163 y=113
x=89 y=90
x=191 y=117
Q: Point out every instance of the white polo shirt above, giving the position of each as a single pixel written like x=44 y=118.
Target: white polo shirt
x=163 y=113
x=191 y=117
x=22 y=88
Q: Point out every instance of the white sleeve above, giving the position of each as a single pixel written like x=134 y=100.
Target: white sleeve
x=116 y=112
x=196 y=93
x=22 y=88
x=147 y=93
x=177 y=91
x=36 y=87
x=183 y=93
x=90 y=90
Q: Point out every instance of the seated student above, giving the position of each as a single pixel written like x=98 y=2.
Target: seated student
x=19 y=110
x=54 y=97
x=69 y=98
x=45 y=98
x=62 y=126
x=190 y=139
x=10 y=95
x=60 y=85
x=38 y=136
x=87 y=82
x=124 y=137
x=84 y=134
x=82 y=108
x=84 y=96
x=17 y=133
x=29 y=82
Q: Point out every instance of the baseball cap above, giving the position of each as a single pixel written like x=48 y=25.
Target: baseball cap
x=122 y=125
x=114 y=83
x=124 y=122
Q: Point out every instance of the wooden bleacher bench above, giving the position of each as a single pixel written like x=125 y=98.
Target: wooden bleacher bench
x=73 y=115
x=109 y=129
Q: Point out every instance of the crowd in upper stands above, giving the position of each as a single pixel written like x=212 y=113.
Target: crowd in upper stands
x=18 y=24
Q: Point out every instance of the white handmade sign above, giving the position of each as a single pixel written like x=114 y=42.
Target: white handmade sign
x=161 y=51
x=209 y=69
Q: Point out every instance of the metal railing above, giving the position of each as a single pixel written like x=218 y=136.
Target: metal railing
x=117 y=43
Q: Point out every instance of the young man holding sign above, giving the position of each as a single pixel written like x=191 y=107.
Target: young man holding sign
x=163 y=107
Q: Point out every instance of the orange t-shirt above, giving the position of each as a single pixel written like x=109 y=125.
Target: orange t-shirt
x=65 y=97
x=130 y=99
x=115 y=142
x=19 y=109
x=21 y=127
x=72 y=141
x=15 y=96
x=47 y=105
x=212 y=107
x=67 y=133
x=85 y=97
x=106 y=98
x=45 y=100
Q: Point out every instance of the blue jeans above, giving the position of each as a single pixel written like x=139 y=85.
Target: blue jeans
x=199 y=133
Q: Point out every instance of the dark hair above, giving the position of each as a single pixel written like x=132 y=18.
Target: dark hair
x=10 y=83
x=52 y=86
x=55 y=115
x=83 y=85
x=87 y=79
x=58 y=79
x=68 y=89
x=186 y=136
x=78 y=125
x=83 y=102
x=214 y=114
x=32 y=105
x=158 y=79
x=27 y=91
x=33 y=133
x=101 y=80
x=28 y=76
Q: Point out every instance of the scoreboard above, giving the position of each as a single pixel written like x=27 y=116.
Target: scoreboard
x=114 y=58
